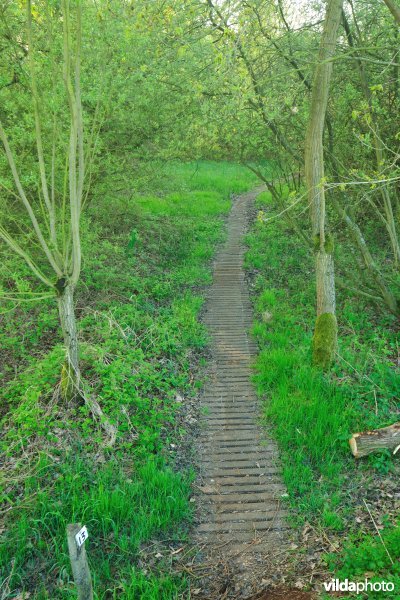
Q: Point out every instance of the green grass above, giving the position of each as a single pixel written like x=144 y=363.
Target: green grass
x=312 y=418
x=372 y=557
x=146 y=264
x=313 y=414
x=120 y=512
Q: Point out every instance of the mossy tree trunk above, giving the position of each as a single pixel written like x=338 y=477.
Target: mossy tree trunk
x=325 y=334
x=325 y=331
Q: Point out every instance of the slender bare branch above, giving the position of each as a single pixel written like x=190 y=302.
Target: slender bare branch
x=39 y=144
x=13 y=244
x=26 y=203
x=75 y=144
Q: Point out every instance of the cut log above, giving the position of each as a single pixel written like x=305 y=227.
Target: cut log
x=366 y=442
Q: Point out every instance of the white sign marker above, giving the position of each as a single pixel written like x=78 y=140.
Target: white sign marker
x=81 y=536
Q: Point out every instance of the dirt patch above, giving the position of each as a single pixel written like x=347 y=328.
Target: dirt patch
x=283 y=594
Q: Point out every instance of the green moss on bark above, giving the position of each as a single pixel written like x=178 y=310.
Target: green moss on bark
x=325 y=340
x=329 y=243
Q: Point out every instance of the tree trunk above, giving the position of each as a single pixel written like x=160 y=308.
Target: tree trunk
x=70 y=377
x=394 y=9
x=325 y=333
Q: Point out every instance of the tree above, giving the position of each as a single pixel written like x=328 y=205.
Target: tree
x=325 y=333
x=54 y=223
x=267 y=56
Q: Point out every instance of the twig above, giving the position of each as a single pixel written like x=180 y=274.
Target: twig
x=378 y=532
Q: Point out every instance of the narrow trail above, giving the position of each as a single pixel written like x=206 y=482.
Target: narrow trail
x=242 y=522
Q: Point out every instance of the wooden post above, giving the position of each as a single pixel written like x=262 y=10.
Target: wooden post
x=79 y=564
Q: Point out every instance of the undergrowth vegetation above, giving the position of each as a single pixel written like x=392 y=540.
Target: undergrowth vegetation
x=313 y=414
x=372 y=558
x=138 y=306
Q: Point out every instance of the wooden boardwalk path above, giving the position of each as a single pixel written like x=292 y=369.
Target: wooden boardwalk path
x=240 y=481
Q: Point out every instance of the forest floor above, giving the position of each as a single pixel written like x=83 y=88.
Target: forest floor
x=143 y=348
x=145 y=353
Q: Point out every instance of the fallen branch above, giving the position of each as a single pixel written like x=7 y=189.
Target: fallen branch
x=386 y=438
